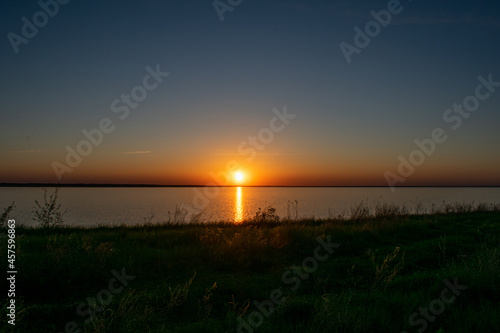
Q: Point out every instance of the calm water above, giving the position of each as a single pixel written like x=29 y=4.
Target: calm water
x=113 y=206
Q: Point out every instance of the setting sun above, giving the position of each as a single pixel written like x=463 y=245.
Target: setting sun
x=239 y=177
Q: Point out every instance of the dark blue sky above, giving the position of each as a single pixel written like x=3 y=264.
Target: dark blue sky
x=353 y=120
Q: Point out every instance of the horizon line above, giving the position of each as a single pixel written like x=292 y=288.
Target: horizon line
x=194 y=185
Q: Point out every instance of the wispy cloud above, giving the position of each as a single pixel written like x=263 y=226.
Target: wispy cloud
x=360 y=11
x=343 y=7
x=136 y=152
x=401 y=20
x=259 y=154
x=30 y=151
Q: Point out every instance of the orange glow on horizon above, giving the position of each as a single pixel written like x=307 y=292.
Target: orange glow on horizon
x=265 y=170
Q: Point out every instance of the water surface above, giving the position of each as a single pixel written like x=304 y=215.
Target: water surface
x=89 y=206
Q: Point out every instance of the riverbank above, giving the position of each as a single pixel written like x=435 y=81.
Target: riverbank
x=438 y=273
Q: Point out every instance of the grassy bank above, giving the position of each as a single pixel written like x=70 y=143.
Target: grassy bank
x=201 y=278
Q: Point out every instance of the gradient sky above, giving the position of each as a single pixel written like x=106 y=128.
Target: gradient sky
x=353 y=120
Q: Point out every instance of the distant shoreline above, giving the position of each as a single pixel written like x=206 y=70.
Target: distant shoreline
x=156 y=185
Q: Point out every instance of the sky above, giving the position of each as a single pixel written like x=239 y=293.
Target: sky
x=314 y=93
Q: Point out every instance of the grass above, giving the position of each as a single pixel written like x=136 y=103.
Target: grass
x=201 y=277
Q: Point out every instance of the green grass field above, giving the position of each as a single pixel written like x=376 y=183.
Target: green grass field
x=383 y=276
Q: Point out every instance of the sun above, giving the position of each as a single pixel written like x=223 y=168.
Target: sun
x=239 y=176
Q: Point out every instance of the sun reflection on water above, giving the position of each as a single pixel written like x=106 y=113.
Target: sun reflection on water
x=238 y=205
